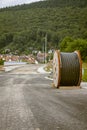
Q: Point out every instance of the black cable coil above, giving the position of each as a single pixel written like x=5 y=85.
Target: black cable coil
x=70 y=69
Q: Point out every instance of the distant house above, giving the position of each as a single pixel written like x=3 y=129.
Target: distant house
x=8 y=57
x=29 y=58
x=41 y=57
x=25 y=58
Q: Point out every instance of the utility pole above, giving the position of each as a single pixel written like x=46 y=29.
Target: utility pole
x=45 y=48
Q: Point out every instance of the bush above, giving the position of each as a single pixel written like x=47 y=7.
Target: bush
x=1 y=62
x=84 y=77
x=69 y=45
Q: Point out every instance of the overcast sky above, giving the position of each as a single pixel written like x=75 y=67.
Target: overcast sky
x=5 y=3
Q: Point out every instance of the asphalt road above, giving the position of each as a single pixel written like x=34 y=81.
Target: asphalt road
x=28 y=102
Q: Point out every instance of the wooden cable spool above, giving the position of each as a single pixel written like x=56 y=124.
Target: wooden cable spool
x=67 y=69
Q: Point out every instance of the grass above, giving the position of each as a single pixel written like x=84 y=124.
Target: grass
x=84 y=65
x=84 y=76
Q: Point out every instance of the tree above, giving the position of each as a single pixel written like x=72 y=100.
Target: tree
x=69 y=45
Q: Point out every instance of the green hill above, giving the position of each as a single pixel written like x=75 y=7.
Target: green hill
x=25 y=27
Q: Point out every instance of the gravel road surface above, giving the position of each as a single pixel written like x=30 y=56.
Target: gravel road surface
x=28 y=102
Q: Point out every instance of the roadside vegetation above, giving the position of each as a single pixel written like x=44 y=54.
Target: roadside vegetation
x=1 y=62
x=69 y=45
x=84 y=77
x=1 y=65
x=25 y=27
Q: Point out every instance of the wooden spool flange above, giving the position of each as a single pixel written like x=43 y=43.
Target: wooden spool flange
x=57 y=68
x=80 y=62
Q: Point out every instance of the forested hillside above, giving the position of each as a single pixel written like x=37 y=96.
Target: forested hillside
x=25 y=27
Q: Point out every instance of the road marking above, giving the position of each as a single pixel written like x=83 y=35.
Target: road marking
x=48 y=78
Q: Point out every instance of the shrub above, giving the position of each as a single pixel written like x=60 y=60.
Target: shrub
x=1 y=62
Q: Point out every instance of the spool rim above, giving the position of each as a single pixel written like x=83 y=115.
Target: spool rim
x=80 y=62
x=57 y=84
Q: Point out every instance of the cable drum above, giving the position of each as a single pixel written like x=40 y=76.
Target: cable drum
x=67 y=69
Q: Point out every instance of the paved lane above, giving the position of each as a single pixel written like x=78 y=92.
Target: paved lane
x=28 y=102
